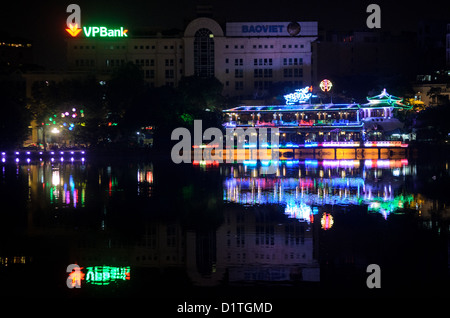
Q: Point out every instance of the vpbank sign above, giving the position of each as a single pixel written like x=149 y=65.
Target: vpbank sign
x=104 y=32
x=74 y=26
x=97 y=31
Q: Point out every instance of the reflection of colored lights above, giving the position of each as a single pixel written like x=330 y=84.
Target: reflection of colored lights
x=385 y=163
x=205 y=162
x=311 y=162
x=105 y=275
x=326 y=221
x=97 y=275
x=299 y=211
x=75 y=278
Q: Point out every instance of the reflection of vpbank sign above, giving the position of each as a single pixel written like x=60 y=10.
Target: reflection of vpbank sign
x=271 y=29
x=74 y=22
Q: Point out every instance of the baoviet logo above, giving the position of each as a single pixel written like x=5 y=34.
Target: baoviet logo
x=74 y=26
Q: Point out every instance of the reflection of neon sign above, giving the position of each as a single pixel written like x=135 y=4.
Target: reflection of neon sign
x=300 y=96
x=326 y=221
x=104 y=275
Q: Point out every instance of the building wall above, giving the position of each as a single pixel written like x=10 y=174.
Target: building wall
x=247 y=64
x=447 y=46
x=421 y=91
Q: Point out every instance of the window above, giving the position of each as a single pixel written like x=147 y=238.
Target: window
x=287 y=72
x=293 y=61
x=169 y=62
x=239 y=85
x=298 y=72
x=204 y=53
x=262 y=84
x=169 y=74
x=238 y=73
x=257 y=73
x=238 y=62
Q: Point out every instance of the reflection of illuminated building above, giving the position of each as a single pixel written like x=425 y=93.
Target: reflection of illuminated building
x=145 y=180
x=331 y=182
x=59 y=182
x=256 y=245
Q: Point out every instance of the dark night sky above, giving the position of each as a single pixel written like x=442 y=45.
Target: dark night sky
x=44 y=22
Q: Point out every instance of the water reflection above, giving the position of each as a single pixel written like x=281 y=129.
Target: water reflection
x=179 y=226
x=300 y=186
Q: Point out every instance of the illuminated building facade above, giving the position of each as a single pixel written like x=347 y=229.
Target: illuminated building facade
x=304 y=123
x=248 y=58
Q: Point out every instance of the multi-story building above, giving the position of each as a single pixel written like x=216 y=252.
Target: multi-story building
x=247 y=57
x=447 y=46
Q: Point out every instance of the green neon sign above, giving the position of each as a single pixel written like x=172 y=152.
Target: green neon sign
x=105 y=275
x=104 y=32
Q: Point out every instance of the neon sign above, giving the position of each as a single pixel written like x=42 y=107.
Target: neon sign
x=73 y=30
x=73 y=23
x=325 y=85
x=97 y=31
x=299 y=96
x=104 y=32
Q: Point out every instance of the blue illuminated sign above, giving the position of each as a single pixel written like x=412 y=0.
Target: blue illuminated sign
x=262 y=28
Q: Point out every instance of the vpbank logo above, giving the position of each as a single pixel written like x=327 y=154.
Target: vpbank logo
x=73 y=23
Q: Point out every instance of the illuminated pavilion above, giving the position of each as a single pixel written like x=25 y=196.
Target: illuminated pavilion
x=302 y=123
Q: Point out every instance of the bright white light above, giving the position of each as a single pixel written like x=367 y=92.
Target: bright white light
x=55 y=177
x=55 y=130
x=299 y=96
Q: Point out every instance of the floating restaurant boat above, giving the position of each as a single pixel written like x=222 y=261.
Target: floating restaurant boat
x=328 y=131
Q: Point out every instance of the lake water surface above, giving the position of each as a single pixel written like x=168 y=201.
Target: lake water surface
x=150 y=228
